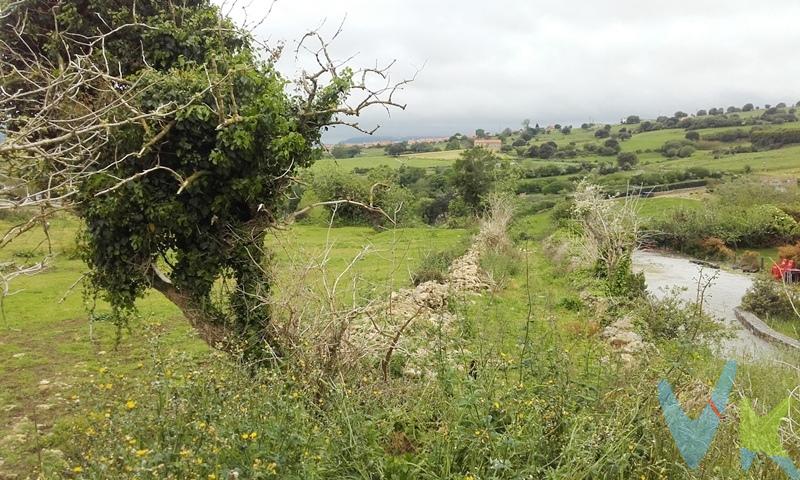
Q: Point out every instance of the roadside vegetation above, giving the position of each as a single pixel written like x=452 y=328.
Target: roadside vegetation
x=419 y=310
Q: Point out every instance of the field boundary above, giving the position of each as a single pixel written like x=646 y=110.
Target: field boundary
x=762 y=330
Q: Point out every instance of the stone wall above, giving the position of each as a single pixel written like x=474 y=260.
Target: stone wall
x=762 y=330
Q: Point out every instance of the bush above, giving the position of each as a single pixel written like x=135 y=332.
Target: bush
x=627 y=160
x=673 y=148
x=563 y=211
x=774 y=138
x=755 y=226
x=331 y=184
x=726 y=135
x=558 y=186
x=345 y=151
x=434 y=266
x=715 y=248
x=621 y=282
x=612 y=144
x=528 y=186
x=791 y=252
x=669 y=318
x=472 y=176
x=501 y=264
x=767 y=298
x=750 y=262
x=434 y=209
x=686 y=151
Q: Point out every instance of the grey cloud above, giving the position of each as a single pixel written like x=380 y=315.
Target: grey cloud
x=489 y=65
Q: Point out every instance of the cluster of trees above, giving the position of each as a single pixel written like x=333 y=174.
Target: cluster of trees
x=407 y=196
x=673 y=176
x=678 y=148
x=726 y=136
x=755 y=226
x=627 y=160
x=746 y=214
x=458 y=142
x=545 y=186
x=719 y=118
x=761 y=138
x=774 y=138
x=608 y=148
x=345 y=151
x=778 y=116
x=544 y=151
x=556 y=170
x=722 y=111
x=401 y=148
x=603 y=132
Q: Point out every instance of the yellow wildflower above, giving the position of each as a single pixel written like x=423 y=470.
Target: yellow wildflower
x=130 y=404
x=77 y=469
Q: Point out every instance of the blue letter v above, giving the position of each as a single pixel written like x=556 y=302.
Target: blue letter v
x=694 y=437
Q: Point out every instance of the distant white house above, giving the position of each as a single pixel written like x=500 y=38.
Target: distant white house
x=494 y=144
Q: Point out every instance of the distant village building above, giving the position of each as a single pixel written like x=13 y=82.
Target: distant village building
x=493 y=144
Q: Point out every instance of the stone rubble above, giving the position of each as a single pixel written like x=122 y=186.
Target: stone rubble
x=623 y=339
x=422 y=308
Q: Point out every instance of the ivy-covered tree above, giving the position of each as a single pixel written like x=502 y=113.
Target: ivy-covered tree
x=174 y=147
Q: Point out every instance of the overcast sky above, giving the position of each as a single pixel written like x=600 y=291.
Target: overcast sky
x=492 y=64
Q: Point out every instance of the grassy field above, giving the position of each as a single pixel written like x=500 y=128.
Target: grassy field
x=548 y=378
x=50 y=349
x=780 y=162
x=419 y=160
x=53 y=370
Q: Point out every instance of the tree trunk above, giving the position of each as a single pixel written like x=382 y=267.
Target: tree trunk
x=208 y=328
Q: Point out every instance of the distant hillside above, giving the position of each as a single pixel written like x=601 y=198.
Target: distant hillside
x=370 y=140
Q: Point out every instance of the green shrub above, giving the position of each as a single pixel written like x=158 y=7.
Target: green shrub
x=749 y=261
x=715 y=249
x=434 y=266
x=500 y=265
x=767 y=298
x=755 y=226
x=686 y=151
x=378 y=189
x=732 y=135
x=563 y=211
x=774 y=138
x=622 y=282
x=558 y=186
x=670 y=318
x=674 y=148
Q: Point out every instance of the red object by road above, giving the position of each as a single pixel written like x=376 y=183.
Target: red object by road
x=784 y=265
